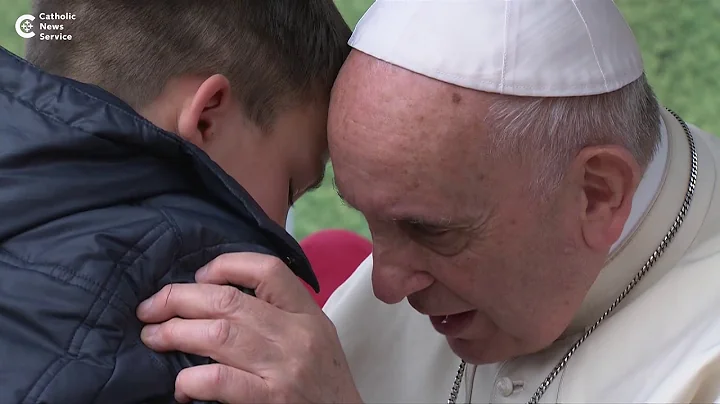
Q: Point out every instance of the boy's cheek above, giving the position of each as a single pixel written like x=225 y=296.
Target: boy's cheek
x=265 y=179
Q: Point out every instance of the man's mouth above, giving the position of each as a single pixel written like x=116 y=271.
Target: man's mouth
x=453 y=324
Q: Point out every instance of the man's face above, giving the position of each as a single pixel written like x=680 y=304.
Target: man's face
x=456 y=231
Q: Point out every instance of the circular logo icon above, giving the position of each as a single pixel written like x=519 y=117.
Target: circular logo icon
x=24 y=26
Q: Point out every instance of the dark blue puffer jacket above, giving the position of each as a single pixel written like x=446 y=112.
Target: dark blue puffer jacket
x=99 y=209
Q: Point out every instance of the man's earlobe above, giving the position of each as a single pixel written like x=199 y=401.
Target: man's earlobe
x=202 y=117
x=610 y=177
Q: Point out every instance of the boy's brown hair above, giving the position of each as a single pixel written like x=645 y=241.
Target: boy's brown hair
x=276 y=53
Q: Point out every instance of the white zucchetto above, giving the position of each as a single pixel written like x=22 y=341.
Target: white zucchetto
x=543 y=48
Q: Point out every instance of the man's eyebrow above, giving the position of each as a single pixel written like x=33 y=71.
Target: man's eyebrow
x=335 y=187
x=340 y=195
x=440 y=223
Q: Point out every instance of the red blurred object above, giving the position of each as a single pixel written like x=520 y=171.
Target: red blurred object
x=334 y=255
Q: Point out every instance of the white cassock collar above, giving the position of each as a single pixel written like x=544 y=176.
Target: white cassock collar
x=647 y=189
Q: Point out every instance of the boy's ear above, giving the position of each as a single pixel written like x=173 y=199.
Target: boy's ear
x=201 y=118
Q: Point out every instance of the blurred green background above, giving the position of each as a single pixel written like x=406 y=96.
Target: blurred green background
x=680 y=40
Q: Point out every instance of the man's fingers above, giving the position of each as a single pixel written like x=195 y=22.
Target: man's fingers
x=199 y=337
x=194 y=301
x=222 y=340
x=220 y=383
x=272 y=280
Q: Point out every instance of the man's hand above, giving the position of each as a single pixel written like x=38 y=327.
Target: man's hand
x=278 y=347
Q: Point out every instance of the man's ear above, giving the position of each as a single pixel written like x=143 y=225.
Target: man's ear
x=202 y=117
x=608 y=177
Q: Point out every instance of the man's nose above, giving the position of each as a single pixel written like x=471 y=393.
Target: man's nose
x=392 y=283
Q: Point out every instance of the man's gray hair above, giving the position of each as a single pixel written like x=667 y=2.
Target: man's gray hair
x=547 y=133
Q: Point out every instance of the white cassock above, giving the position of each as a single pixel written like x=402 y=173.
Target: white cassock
x=662 y=342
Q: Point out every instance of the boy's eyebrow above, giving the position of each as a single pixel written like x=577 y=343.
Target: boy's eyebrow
x=318 y=182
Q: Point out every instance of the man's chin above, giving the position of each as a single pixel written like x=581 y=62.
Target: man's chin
x=480 y=352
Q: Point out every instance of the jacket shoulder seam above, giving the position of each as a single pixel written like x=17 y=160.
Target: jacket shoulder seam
x=176 y=233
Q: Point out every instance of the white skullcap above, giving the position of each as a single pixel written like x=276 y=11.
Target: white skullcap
x=545 y=48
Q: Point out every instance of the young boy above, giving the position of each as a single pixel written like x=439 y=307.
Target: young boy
x=164 y=134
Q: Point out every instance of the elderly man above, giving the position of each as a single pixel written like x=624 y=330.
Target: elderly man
x=543 y=230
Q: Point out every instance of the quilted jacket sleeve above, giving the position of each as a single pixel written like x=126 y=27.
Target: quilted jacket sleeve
x=69 y=334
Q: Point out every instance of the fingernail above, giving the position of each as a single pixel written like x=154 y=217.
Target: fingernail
x=145 y=306
x=201 y=273
x=148 y=333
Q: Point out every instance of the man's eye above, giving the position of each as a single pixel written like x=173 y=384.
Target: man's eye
x=442 y=240
x=427 y=230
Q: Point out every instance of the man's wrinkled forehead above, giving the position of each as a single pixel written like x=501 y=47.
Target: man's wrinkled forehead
x=402 y=132
x=402 y=106
x=360 y=75
x=376 y=108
